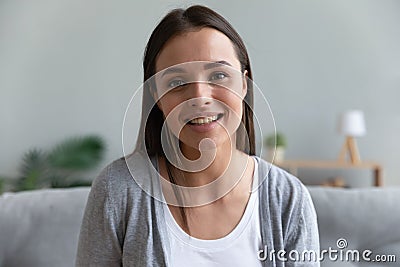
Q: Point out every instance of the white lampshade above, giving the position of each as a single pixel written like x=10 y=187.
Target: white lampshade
x=352 y=123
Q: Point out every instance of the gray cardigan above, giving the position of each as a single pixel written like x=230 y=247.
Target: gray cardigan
x=124 y=226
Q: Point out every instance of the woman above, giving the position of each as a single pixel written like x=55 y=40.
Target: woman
x=199 y=196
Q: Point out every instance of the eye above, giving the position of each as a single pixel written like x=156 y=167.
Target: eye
x=176 y=83
x=218 y=76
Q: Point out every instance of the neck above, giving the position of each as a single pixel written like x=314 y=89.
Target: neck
x=221 y=161
x=225 y=169
x=225 y=175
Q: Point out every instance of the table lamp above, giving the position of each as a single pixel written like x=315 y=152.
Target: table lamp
x=351 y=124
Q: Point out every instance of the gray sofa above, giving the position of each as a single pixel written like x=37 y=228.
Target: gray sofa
x=41 y=228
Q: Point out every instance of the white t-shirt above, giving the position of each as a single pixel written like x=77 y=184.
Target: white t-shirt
x=238 y=248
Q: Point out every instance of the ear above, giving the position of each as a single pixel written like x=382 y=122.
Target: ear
x=244 y=86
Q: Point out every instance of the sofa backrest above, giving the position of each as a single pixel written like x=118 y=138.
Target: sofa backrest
x=358 y=219
x=41 y=227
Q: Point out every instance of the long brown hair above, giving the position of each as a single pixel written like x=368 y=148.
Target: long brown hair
x=176 y=22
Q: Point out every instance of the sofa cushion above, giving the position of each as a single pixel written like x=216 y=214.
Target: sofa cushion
x=367 y=218
x=41 y=227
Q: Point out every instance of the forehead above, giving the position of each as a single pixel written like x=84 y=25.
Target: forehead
x=206 y=44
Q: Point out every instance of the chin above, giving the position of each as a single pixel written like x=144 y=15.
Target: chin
x=218 y=141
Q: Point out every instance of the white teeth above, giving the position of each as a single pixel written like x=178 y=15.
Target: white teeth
x=204 y=120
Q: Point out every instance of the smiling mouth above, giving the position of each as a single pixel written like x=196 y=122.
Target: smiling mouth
x=205 y=120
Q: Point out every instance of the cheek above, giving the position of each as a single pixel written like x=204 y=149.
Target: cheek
x=171 y=110
x=167 y=104
x=233 y=105
x=233 y=102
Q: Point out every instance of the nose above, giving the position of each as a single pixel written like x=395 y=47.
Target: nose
x=199 y=94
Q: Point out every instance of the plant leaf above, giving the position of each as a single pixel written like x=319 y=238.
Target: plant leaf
x=33 y=170
x=33 y=161
x=80 y=153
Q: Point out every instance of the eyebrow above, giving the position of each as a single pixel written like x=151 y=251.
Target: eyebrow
x=173 y=70
x=216 y=64
x=206 y=67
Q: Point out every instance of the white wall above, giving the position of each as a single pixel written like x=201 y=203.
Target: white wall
x=69 y=67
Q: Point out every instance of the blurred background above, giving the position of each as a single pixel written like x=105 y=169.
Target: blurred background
x=70 y=67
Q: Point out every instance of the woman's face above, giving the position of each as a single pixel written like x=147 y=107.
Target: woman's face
x=200 y=87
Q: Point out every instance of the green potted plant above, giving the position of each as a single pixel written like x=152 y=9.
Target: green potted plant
x=276 y=145
x=62 y=166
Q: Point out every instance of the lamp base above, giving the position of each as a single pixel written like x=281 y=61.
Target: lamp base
x=350 y=146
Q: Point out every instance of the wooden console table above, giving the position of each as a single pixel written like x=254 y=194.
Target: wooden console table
x=293 y=165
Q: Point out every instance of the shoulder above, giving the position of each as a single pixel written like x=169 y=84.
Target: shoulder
x=285 y=195
x=278 y=183
x=122 y=176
